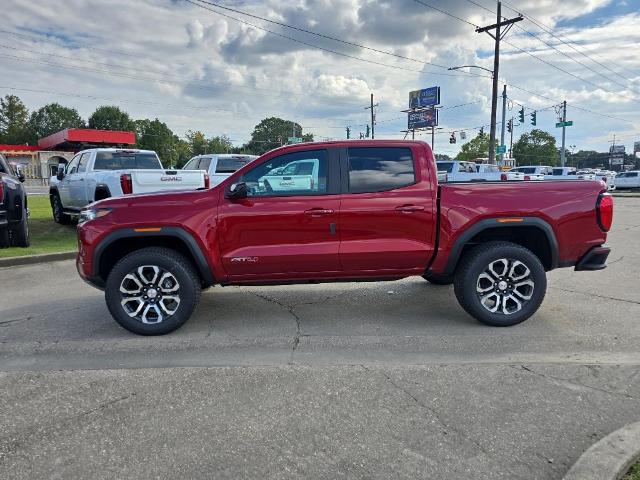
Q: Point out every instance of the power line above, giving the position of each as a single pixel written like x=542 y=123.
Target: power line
x=569 y=42
x=321 y=35
x=554 y=47
x=335 y=52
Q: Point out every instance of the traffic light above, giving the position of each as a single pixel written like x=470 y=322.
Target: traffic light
x=481 y=133
x=533 y=117
x=522 y=115
x=453 y=138
x=348 y=133
x=510 y=126
x=368 y=132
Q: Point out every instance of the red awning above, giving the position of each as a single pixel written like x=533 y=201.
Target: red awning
x=71 y=137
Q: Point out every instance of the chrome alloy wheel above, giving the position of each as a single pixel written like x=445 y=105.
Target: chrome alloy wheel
x=505 y=286
x=150 y=294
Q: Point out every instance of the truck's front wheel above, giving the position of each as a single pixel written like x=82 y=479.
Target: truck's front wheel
x=152 y=291
x=500 y=283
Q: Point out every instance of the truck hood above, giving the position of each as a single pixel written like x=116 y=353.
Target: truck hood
x=185 y=197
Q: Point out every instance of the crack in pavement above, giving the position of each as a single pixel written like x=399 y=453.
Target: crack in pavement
x=291 y=311
x=5 y=322
x=565 y=382
x=635 y=302
x=446 y=427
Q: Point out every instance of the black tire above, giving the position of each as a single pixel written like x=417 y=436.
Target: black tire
x=438 y=279
x=4 y=238
x=57 y=210
x=20 y=234
x=475 y=281
x=167 y=261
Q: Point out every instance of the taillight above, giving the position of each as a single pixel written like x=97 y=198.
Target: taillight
x=207 y=181
x=503 y=177
x=527 y=177
x=126 y=184
x=604 y=209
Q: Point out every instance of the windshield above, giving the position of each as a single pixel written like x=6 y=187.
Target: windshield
x=445 y=166
x=126 y=161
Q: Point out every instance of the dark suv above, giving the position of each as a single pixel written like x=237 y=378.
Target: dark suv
x=14 y=214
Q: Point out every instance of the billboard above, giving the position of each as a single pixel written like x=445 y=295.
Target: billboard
x=427 y=97
x=636 y=147
x=616 y=154
x=423 y=119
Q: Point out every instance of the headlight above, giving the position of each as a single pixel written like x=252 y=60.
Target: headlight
x=92 y=214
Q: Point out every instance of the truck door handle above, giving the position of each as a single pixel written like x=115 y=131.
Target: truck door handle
x=410 y=208
x=317 y=212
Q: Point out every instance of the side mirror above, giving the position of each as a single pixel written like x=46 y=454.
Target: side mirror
x=21 y=177
x=236 y=191
x=60 y=172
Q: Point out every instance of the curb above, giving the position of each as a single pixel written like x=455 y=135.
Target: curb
x=610 y=458
x=626 y=194
x=34 y=259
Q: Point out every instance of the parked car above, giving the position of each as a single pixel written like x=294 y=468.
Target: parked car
x=630 y=179
x=376 y=213
x=570 y=173
x=607 y=176
x=460 y=171
x=219 y=165
x=14 y=211
x=102 y=173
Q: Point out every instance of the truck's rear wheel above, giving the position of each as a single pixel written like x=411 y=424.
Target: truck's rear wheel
x=58 y=210
x=20 y=236
x=4 y=238
x=500 y=283
x=152 y=291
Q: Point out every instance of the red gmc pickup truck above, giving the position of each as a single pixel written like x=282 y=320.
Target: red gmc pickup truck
x=341 y=211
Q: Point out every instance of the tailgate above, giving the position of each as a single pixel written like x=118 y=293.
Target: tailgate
x=145 y=181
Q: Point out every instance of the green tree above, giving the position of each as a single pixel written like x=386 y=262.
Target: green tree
x=477 y=147
x=109 y=117
x=156 y=135
x=197 y=142
x=14 y=118
x=536 y=147
x=51 y=119
x=220 y=144
x=273 y=132
x=442 y=157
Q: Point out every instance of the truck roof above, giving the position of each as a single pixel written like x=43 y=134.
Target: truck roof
x=133 y=150
x=353 y=143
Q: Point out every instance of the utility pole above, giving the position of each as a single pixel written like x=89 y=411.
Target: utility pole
x=564 y=128
x=373 y=116
x=433 y=137
x=504 y=114
x=499 y=35
x=511 y=141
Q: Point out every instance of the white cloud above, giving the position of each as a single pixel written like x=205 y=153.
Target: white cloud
x=155 y=56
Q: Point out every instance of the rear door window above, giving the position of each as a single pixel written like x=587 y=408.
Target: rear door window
x=377 y=169
x=228 y=165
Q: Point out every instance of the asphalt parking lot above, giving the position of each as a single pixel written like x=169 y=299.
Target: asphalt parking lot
x=374 y=380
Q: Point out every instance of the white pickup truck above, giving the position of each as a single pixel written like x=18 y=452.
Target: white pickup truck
x=218 y=165
x=101 y=173
x=299 y=174
x=460 y=171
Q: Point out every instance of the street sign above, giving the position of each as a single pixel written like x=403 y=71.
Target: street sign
x=427 y=97
x=500 y=149
x=294 y=139
x=423 y=119
x=564 y=124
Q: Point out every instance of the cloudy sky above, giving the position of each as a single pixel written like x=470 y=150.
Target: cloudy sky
x=196 y=66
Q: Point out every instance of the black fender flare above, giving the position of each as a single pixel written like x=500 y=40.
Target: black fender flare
x=101 y=186
x=493 y=223
x=198 y=255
